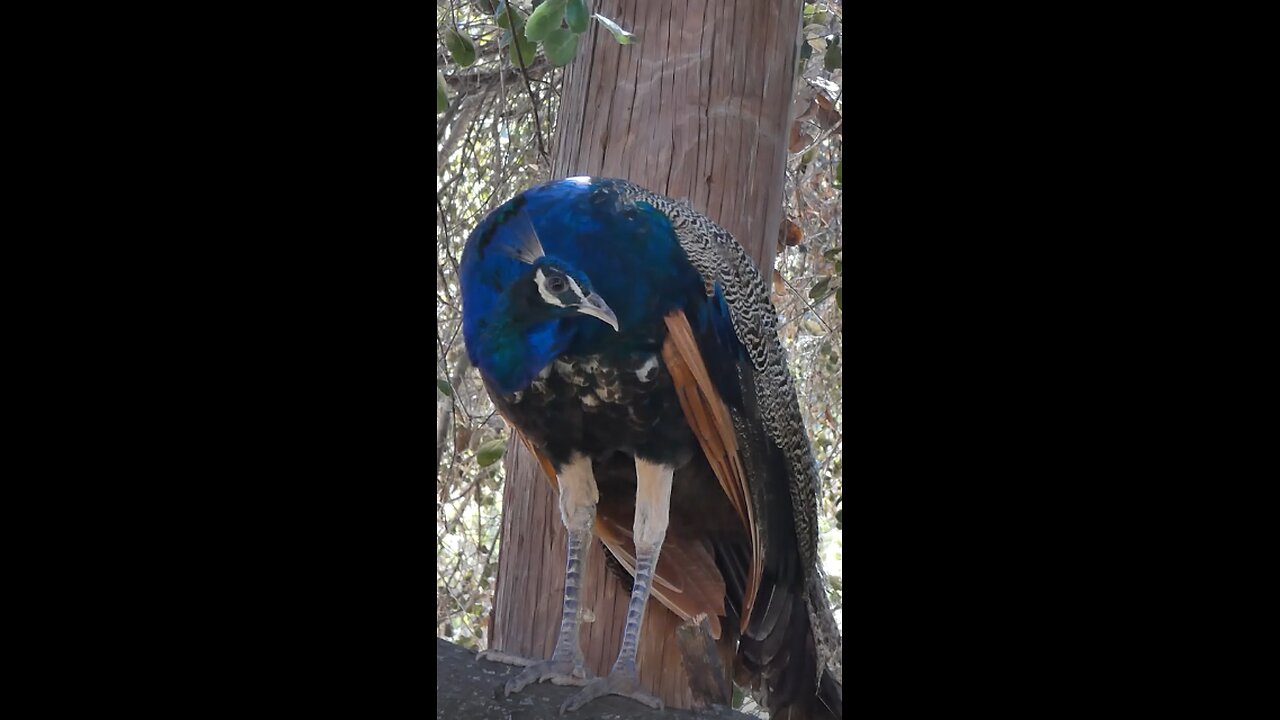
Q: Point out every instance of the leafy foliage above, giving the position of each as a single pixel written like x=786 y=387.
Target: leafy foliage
x=808 y=278
x=461 y=48
x=575 y=15
x=545 y=18
x=486 y=151
x=622 y=36
x=551 y=28
x=561 y=46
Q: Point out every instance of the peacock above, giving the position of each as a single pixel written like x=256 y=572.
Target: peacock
x=633 y=347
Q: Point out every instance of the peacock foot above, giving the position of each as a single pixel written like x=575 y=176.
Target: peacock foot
x=621 y=681
x=558 y=671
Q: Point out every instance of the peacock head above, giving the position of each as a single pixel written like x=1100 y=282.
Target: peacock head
x=551 y=288
x=520 y=316
x=555 y=289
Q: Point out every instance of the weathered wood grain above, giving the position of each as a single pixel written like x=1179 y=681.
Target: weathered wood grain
x=697 y=109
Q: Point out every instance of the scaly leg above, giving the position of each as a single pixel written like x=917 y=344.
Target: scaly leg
x=653 y=503
x=578 y=498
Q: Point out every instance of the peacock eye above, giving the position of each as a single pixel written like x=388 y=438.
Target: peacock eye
x=556 y=285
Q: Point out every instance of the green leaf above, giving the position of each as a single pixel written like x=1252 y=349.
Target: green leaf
x=832 y=60
x=526 y=49
x=444 y=386
x=832 y=253
x=544 y=20
x=813 y=15
x=839 y=172
x=561 y=46
x=622 y=36
x=500 y=16
x=819 y=289
x=485 y=6
x=840 y=298
x=460 y=46
x=442 y=93
x=576 y=15
x=489 y=453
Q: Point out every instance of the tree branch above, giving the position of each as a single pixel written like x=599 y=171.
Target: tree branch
x=524 y=70
x=485 y=78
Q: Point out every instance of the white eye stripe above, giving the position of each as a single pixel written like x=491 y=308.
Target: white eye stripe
x=547 y=295
x=577 y=291
x=553 y=298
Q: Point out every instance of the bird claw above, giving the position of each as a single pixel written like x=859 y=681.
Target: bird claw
x=501 y=657
x=619 y=682
x=559 y=672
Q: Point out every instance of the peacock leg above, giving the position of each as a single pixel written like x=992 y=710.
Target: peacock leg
x=653 y=501
x=578 y=498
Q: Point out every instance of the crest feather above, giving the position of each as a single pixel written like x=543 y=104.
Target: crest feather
x=522 y=243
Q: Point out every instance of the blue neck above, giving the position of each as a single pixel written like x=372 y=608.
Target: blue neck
x=514 y=349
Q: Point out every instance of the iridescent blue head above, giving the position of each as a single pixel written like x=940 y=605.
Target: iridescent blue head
x=575 y=266
x=514 y=333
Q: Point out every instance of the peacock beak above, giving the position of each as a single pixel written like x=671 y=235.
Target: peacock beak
x=595 y=306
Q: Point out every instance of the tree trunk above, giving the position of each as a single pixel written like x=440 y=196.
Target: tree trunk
x=698 y=109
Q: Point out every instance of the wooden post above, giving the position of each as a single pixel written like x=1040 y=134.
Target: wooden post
x=697 y=109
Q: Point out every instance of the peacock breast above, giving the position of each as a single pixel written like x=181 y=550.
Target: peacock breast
x=599 y=404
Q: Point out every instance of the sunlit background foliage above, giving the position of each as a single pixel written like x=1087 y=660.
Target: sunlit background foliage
x=496 y=106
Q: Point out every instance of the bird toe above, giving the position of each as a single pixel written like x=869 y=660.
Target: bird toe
x=618 y=682
x=558 y=671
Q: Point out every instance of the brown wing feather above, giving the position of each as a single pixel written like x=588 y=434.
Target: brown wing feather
x=686 y=579
x=709 y=418
x=547 y=468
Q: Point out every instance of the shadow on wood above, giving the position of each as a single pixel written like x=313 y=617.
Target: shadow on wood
x=471 y=689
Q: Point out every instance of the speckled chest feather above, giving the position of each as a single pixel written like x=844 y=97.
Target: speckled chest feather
x=599 y=405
